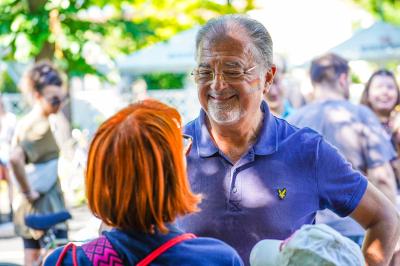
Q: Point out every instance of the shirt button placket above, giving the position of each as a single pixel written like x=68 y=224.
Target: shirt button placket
x=234 y=201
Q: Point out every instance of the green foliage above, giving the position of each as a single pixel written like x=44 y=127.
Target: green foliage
x=164 y=81
x=63 y=29
x=355 y=79
x=7 y=85
x=386 y=10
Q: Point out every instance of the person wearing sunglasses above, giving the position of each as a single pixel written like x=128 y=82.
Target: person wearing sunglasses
x=34 y=155
x=136 y=183
x=261 y=177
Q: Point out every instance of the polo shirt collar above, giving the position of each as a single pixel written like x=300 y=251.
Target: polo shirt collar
x=205 y=144
x=267 y=142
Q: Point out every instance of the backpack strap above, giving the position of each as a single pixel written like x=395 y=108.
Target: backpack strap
x=101 y=252
x=64 y=251
x=164 y=247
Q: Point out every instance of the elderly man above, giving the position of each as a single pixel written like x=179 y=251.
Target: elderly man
x=261 y=177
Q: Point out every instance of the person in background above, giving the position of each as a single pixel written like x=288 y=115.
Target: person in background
x=34 y=156
x=7 y=125
x=276 y=100
x=136 y=183
x=260 y=176
x=382 y=95
x=276 y=97
x=353 y=129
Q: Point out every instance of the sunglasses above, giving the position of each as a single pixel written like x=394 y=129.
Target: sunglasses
x=187 y=143
x=55 y=101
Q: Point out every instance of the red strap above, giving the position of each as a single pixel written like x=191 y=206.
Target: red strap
x=161 y=249
x=64 y=251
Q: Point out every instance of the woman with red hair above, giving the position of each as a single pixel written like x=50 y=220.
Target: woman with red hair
x=136 y=183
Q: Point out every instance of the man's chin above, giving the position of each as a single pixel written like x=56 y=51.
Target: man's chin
x=224 y=118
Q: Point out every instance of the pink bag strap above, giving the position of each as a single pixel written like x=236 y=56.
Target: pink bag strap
x=164 y=247
x=101 y=252
x=64 y=251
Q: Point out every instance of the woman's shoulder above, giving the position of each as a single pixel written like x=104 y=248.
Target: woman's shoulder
x=98 y=249
x=66 y=256
x=214 y=249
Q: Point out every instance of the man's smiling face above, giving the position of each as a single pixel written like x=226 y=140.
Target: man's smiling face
x=228 y=101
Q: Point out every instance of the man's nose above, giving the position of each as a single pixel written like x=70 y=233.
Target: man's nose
x=218 y=82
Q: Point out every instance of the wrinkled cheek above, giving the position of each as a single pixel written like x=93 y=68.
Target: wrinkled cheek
x=202 y=96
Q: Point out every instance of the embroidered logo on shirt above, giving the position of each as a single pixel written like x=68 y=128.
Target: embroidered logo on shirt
x=282 y=193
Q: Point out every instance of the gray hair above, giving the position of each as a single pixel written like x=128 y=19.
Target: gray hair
x=256 y=31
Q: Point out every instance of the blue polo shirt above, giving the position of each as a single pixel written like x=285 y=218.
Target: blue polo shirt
x=276 y=187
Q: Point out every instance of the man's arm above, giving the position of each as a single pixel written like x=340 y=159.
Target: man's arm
x=384 y=179
x=381 y=220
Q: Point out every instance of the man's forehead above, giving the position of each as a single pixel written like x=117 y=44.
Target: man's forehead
x=224 y=62
x=235 y=49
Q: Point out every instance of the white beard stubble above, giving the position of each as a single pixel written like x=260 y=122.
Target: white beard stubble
x=224 y=113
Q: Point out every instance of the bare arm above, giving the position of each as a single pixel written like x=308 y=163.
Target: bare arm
x=17 y=161
x=384 y=179
x=381 y=220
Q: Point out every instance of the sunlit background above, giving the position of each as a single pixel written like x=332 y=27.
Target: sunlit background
x=115 y=52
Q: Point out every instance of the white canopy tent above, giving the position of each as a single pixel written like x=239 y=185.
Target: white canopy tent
x=380 y=42
x=175 y=55
x=311 y=34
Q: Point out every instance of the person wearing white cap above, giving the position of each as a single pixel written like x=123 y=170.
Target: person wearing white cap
x=310 y=245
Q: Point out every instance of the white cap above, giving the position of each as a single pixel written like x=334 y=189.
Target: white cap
x=310 y=245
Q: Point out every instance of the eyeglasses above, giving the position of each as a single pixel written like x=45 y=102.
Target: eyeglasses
x=187 y=143
x=204 y=75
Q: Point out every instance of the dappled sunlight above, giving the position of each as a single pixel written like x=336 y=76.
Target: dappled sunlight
x=339 y=115
x=350 y=130
x=255 y=193
x=210 y=169
x=374 y=247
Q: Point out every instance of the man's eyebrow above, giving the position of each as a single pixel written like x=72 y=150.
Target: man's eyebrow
x=206 y=65
x=233 y=64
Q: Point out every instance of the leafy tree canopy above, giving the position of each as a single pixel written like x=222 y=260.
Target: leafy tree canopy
x=386 y=10
x=78 y=33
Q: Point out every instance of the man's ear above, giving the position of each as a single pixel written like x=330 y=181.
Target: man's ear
x=343 y=79
x=269 y=77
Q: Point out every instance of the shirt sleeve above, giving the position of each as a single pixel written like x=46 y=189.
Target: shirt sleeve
x=378 y=146
x=340 y=187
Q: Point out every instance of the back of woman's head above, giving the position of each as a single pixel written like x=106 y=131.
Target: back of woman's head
x=40 y=75
x=381 y=72
x=136 y=175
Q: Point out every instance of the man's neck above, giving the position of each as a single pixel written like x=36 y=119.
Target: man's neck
x=236 y=139
x=325 y=93
x=278 y=109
